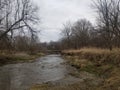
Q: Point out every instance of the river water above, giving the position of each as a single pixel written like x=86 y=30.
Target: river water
x=23 y=75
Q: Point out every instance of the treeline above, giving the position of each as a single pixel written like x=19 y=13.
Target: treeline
x=18 y=19
x=105 y=34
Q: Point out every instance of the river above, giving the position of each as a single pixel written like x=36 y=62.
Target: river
x=22 y=76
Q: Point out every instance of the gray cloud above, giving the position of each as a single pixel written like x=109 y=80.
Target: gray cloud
x=54 y=13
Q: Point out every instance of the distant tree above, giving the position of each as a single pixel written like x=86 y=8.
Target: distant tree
x=67 y=33
x=81 y=31
x=106 y=33
x=76 y=35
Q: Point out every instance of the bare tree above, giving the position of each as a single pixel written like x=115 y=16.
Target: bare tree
x=109 y=19
x=18 y=15
x=77 y=35
x=81 y=31
x=105 y=35
x=67 y=33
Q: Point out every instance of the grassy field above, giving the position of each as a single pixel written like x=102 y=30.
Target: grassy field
x=101 y=62
x=99 y=56
x=18 y=57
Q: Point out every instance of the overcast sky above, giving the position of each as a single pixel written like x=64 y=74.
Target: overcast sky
x=54 y=13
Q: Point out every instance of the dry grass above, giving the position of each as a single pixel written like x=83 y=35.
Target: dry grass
x=91 y=50
x=101 y=62
x=75 y=86
x=112 y=82
x=100 y=56
x=95 y=50
x=18 y=57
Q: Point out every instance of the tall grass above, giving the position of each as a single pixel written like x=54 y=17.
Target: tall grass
x=97 y=55
x=102 y=62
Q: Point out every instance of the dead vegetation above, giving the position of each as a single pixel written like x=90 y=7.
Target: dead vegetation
x=101 y=62
x=99 y=56
x=90 y=61
x=76 y=86
x=18 y=57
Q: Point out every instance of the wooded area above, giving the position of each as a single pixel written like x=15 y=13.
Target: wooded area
x=104 y=34
x=18 y=19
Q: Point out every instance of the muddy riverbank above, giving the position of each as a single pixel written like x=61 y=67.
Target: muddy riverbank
x=48 y=70
x=23 y=75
